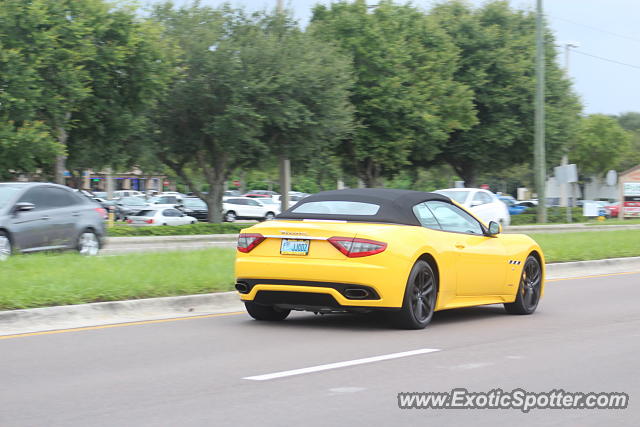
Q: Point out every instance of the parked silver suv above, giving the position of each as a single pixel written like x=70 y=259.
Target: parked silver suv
x=39 y=217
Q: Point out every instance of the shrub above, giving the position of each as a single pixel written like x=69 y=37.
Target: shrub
x=176 y=230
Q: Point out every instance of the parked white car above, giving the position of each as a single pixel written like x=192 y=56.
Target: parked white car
x=171 y=193
x=155 y=217
x=247 y=208
x=271 y=204
x=294 y=197
x=127 y=193
x=482 y=203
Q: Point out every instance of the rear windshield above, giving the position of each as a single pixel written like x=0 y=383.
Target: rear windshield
x=330 y=207
x=146 y=213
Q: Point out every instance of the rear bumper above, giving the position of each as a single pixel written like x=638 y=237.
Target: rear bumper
x=349 y=291
x=383 y=278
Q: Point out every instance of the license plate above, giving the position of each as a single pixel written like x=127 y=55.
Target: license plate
x=294 y=247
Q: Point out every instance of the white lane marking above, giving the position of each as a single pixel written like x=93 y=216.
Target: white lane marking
x=340 y=364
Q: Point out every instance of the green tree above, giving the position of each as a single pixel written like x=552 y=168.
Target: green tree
x=252 y=87
x=631 y=122
x=131 y=68
x=304 y=95
x=497 y=62
x=87 y=69
x=405 y=98
x=600 y=145
x=25 y=148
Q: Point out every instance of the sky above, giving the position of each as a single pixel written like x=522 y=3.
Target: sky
x=605 y=68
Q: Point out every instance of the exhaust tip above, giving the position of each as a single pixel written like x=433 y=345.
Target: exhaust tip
x=356 y=293
x=242 y=287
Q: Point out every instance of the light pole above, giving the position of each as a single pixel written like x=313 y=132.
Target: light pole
x=566 y=188
x=567 y=49
x=539 y=159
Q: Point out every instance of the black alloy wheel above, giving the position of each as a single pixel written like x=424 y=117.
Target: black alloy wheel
x=529 y=290
x=419 y=299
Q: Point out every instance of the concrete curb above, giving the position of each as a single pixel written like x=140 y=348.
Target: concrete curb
x=568 y=228
x=102 y=313
x=124 y=245
x=105 y=313
x=566 y=270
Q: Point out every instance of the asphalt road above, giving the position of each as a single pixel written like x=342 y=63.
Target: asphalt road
x=584 y=337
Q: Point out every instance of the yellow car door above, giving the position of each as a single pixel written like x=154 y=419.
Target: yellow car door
x=481 y=261
x=481 y=266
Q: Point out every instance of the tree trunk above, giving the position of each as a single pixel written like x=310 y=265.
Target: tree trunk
x=76 y=180
x=468 y=175
x=214 y=200
x=371 y=175
x=285 y=182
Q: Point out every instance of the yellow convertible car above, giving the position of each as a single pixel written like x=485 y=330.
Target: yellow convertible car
x=409 y=253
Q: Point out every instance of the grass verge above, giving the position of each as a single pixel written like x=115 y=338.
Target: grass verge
x=41 y=280
x=589 y=245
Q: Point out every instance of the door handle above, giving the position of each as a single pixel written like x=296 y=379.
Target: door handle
x=44 y=218
x=459 y=246
x=75 y=214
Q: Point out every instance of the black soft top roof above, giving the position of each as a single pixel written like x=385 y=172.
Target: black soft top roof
x=396 y=206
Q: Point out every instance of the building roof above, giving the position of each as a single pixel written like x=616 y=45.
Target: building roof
x=630 y=171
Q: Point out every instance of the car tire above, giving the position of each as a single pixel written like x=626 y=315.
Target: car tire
x=88 y=243
x=420 y=296
x=529 y=290
x=269 y=216
x=6 y=249
x=265 y=312
x=230 y=216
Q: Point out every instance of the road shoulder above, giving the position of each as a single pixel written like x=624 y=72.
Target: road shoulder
x=116 y=312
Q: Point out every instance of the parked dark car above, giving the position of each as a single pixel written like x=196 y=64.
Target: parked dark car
x=106 y=204
x=38 y=216
x=127 y=206
x=514 y=208
x=195 y=207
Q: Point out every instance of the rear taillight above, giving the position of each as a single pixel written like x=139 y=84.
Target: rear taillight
x=102 y=212
x=149 y=221
x=248 y=241
x=354 y=247
x=129 y=221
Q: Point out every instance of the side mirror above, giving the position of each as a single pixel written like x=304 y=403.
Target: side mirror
x=23 y=207
x=494 y=228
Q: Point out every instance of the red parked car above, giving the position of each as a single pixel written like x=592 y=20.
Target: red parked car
x=614 y=209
